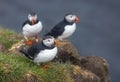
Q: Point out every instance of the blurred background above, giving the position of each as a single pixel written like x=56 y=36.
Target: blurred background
x=97 y=34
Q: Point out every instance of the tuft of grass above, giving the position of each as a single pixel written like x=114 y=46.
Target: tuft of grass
x=8 y=37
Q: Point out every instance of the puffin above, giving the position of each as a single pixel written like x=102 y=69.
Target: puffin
x=41 y=52
x=31 y=28
x=65 y=28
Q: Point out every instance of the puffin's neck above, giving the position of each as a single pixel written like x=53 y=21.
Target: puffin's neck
x=29 y=22
x=48 y=47
x=65 y=21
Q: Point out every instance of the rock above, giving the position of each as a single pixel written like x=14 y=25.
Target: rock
x=15 y=47
x=30 y=78
x=86 y=68
x=3 y=48
x=66 y=51
x=82 y=75
x=96 y=65
x=21 y=44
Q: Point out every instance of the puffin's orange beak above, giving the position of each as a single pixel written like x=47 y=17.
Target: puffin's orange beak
x=33 y=21
x=57 y=42
x=77 y=19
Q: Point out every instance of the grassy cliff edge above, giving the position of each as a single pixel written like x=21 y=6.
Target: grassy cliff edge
x=17 y=68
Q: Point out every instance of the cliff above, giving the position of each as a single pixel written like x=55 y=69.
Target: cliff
x=68 y=66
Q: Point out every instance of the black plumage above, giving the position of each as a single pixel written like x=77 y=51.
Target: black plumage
x=32 y=52
x=58 y=29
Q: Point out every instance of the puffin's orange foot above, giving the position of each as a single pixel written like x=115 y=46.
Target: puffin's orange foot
x=29 y=42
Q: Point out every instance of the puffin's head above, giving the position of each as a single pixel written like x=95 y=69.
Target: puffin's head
x=32 y=17
x=72 y=18
x=49 y=41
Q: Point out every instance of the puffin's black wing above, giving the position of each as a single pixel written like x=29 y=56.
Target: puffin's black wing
x=26 y=22
x=23 y=51
x=35 y=49
x=57 y=30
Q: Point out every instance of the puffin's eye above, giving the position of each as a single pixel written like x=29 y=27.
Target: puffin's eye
x=71 y=16
x=48 y=40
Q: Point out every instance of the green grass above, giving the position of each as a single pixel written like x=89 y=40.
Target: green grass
x=14 y=68
x=8 y=37
x=10 y=69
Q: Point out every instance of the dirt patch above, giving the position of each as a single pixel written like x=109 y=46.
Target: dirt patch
x=30 y=78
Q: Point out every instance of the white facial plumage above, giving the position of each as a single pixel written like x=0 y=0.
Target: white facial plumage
x=49 y=41
x=70 y=18
x=32 y=17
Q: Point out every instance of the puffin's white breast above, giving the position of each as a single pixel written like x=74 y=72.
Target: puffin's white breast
x=32 y=30
x=69 y=30
x=46 y=55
